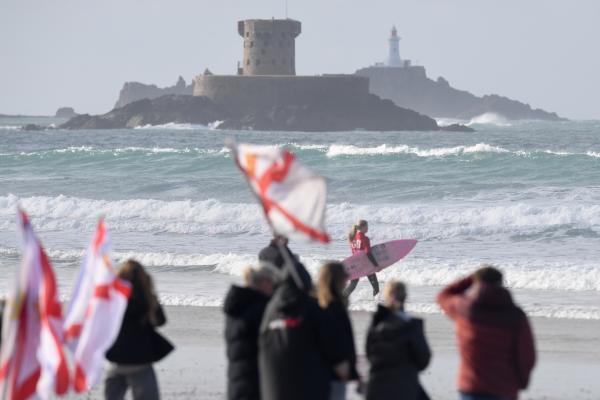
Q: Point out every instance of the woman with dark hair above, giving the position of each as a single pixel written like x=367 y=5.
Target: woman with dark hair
x=330 y=288
x=138 y=344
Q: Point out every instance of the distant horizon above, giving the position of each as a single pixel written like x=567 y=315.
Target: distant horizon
x=68 y=54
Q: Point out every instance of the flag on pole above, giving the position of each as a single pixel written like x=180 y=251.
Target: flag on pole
x=96 y=311
x=32 y=357
x=293 y=197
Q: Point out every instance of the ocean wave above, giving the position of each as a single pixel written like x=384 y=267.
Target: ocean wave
x=422 y=221
x=489 y=118
x=90 y=150
x=559 y=312
x=181 y=126
x=345 y=150
x=10 y=127
x=415 y=270
x=440 y=152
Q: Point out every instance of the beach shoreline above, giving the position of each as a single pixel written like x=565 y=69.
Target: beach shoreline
x=568 y=356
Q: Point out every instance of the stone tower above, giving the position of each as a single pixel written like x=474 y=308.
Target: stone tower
x=269 y=46
x=394 y=55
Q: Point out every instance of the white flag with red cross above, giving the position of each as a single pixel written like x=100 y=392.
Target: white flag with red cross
x=95 y=313
x=293 y=197
x=32 y=358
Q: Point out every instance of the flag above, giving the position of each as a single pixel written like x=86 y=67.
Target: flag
x=95 y=313
x=293 y=197
x=32 y=357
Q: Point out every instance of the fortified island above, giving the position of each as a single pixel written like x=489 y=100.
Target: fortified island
x=266 y=94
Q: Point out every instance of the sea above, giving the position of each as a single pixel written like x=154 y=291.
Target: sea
x=523 y=196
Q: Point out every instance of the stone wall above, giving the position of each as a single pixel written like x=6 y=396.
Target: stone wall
x=259 y=92
x=269 y=46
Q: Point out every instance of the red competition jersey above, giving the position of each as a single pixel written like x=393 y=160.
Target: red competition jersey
x=360 y=243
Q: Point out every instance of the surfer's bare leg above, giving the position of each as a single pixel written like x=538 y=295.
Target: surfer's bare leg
x=374 y=283
x=350 y=288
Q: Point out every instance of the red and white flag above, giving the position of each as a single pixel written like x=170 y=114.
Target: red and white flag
x=32 y=359
x=293 y=197
x=95 y=313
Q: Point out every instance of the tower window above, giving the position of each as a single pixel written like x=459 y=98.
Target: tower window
x=263 y=52
x=252 y=44
x=258 y=61
x=247 y=34
x=248 y=62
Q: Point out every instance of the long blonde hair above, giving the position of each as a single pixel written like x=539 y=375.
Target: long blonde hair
x=142 y=287
x=328 y=287
x=361 y=223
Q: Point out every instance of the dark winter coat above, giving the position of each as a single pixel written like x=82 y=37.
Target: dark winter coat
x=244 y=308
x=138 y=341
x=494 y=338
x=338 y=317
x=397 y=351
x=297 y=347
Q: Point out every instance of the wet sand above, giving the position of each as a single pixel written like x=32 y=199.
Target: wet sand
x=568 y=357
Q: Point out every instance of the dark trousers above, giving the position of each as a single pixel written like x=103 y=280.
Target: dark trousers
x=374 y=283
x=142 y=382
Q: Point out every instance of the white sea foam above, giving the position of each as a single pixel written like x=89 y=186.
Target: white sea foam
x=345 y=150
x=180 y=126
x=211 y=217
x=489 y=119
x=90 y=150
x=10 y=127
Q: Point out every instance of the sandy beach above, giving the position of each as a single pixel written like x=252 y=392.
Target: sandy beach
x=567 y=368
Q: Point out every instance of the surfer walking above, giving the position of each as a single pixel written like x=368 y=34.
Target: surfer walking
x=359 y=242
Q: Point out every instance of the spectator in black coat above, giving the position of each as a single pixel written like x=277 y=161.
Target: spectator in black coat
x=297 y=347
x=138 y=344
x=244 y=308
x=330 y=288
x=397 y=349
x=273 y=254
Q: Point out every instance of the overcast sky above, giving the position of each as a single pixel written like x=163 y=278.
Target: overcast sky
x=79 y=53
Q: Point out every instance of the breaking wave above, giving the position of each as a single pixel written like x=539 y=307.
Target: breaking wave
x=421 y=221
x=489 y=119
x=181 y=126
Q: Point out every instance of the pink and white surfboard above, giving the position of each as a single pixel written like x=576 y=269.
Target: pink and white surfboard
x=386 y=254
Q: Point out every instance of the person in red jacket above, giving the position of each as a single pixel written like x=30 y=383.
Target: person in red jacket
x=359 y=242
x=496 y=344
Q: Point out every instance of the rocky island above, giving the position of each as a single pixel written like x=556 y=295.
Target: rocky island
x=365 y=113
x=265 y=94
x=408 y=86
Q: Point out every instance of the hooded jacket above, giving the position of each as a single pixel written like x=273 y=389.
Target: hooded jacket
x=397 y=351
x=244 y=308
x=297 y=347
x=494 y=338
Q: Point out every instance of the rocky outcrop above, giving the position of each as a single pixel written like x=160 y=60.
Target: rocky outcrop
x=65 y=112
x=410 y=87
x=134 y=91
x=163 y=110
x=367 y=113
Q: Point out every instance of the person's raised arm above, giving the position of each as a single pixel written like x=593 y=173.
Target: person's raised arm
x=451 y=294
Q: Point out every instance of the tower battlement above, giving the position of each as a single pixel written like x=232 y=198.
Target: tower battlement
x=269 y=46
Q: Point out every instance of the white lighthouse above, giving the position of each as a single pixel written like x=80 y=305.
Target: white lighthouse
x=394 y=55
